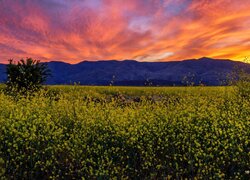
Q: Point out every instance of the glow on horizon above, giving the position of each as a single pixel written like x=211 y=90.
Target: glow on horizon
x=144 y=30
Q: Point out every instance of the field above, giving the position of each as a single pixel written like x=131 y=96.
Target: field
x=66 y=132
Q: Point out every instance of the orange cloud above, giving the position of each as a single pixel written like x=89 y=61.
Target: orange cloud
x=150 y=30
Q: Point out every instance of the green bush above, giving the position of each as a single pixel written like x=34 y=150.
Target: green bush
x=26 y=75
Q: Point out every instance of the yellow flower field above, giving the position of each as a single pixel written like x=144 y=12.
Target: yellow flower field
x=126 y=132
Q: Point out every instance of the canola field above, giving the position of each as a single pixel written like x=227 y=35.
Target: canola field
x=78 y=132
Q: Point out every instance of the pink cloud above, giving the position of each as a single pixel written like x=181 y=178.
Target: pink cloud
x=146 y=30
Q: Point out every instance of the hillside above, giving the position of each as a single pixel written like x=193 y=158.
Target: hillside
x=129 y=72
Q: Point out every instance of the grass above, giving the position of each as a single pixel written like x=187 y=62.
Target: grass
x=125 y=132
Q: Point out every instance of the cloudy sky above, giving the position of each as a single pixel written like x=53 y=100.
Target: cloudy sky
x=145 y=30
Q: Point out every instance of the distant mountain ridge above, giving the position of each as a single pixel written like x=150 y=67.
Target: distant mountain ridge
x=205 y=70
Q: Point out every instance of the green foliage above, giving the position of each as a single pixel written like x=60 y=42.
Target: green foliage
x=2 y=169
x=26 y=75
x=125 y=133
x=243 y=84
x=240 y=80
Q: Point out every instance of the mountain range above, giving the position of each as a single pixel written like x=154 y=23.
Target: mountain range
x=205 y=70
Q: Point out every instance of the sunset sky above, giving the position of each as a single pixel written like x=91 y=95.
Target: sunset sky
x=144 y=30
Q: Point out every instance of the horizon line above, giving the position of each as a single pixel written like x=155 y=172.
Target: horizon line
x=123 y=60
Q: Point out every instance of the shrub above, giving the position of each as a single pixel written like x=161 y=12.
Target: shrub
x=26 y=75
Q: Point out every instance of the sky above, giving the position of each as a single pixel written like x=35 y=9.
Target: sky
x=143 y=30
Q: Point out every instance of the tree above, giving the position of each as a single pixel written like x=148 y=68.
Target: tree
x=26 y=75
